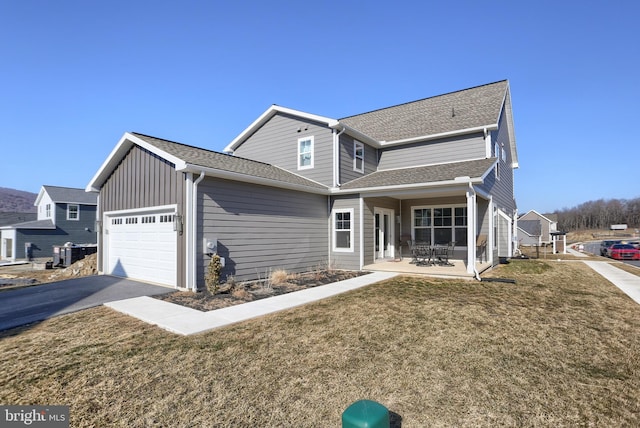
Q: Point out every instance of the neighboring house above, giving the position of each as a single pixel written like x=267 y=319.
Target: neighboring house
x=63 y=215
x=530 y=233
x=298 y=190
x=548 y=225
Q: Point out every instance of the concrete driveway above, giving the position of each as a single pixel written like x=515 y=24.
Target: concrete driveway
x=39 y=302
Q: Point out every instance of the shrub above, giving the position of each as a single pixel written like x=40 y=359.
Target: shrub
x=279 y=277
x=212 y=278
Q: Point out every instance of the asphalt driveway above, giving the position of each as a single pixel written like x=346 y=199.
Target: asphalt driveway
x=39 y=302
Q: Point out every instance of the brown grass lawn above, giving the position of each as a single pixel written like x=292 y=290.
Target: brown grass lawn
x=561 y=347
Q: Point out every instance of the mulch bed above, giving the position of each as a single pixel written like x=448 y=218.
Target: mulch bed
x=235 y=294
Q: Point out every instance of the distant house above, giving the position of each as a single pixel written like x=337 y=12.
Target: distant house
x=63 y=215
x=548 y=225
x=297 y=190
x=529 y=233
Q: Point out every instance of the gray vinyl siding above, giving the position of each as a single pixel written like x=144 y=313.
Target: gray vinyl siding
x=502 y=188
x=445 y=150
x=276 y=143
x=43 y=240
x=346 y=171
x=260 y=229
x=342 y=259
x=143 y=179
x=544 y=224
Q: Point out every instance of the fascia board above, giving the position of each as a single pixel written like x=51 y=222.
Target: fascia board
x=493 y=165
x=40 y=196
x=127 y=141
x=462 y=181
x=357 y=135
x=490 y=127
x=236 y=176
x=266 y=116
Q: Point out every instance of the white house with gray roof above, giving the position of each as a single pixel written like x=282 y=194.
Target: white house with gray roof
x=297 y=190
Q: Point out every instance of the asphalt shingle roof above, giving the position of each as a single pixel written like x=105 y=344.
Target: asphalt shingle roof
x=229 y=163
x=422 y=174
x=69 y=194
x=466 y=109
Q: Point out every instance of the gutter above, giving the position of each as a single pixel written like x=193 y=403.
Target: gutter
x=475 y=208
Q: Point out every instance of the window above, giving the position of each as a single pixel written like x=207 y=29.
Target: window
x=504 y=154
x=343 y=230
x=497 y=154
x=305 y=153
x=440 y=225
x=73 y=212
x=358 y=156
x=47 y=211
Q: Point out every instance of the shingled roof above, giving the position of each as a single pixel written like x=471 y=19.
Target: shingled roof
x=472 y=108
x=198 y=157
x=476 y=169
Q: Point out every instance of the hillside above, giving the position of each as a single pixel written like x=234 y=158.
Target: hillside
x=12 y=200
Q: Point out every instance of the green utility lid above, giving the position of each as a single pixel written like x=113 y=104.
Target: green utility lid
x=365 y=414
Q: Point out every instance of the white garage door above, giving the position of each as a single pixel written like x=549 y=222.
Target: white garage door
x=142 y=246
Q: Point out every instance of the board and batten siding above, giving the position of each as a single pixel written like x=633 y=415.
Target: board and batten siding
x=141 y=180
x=260 y=229
x=276 y=143
x=445 y=150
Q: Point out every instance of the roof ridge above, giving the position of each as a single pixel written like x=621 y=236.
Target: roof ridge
x=424 y=99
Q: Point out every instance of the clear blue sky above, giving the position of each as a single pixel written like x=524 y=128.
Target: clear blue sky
x=76 y=75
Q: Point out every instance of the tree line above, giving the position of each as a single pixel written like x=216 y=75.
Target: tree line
x=600 y=214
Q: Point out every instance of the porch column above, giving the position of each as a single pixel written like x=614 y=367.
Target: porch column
x=471 y=229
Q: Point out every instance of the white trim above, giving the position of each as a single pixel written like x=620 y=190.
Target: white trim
x=357 y=144
x=392 y=232
x=361 y=250
x=127 y=141
x=77 y=212
x=300 y=153
x=334 y=230
x=432 y=226
x=267 y=115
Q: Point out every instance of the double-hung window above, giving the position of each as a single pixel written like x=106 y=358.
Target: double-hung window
x=47 y=211
x=305 y=153
x=73 y=212
x=343 y=230
x=358 y=156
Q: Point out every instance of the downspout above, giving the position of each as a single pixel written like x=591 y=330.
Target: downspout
x=474 y=217
x=194 y=231
x=336 y=157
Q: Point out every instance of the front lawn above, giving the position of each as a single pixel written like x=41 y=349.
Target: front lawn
x=561 y=347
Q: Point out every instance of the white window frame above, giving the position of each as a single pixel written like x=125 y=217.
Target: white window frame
x=69 y=212
x=356 y=157
x=335 y=230
x=47 y=211
x=300 y=153
x=431 y=227
x=496 y=149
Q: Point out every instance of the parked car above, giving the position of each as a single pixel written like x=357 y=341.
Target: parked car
x=605 y=245
x=624 y=252
x=635 y=244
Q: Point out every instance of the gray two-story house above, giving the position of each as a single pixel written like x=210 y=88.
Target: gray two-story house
x=63 y=215
x=296 y=191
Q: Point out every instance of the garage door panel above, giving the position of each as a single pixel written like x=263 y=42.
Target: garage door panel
x=143 y=246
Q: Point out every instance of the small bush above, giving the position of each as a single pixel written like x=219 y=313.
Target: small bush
x=212 y=278
x=279 y=277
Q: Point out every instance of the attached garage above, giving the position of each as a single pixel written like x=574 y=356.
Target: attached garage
x=142 y=245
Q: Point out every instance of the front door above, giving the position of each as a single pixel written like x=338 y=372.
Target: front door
x=383 y=233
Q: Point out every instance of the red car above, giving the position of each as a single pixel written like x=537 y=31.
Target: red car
x=624 y=252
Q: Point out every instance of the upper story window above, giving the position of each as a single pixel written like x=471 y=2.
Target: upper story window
x=504 y=154
x=47 y=211
x=305 y=153
x=73 y=212
x=358 y=156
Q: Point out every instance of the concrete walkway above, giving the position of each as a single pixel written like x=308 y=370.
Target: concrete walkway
x=182 y=320
x=625 y=281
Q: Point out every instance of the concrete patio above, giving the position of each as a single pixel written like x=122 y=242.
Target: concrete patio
x=455 y=268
